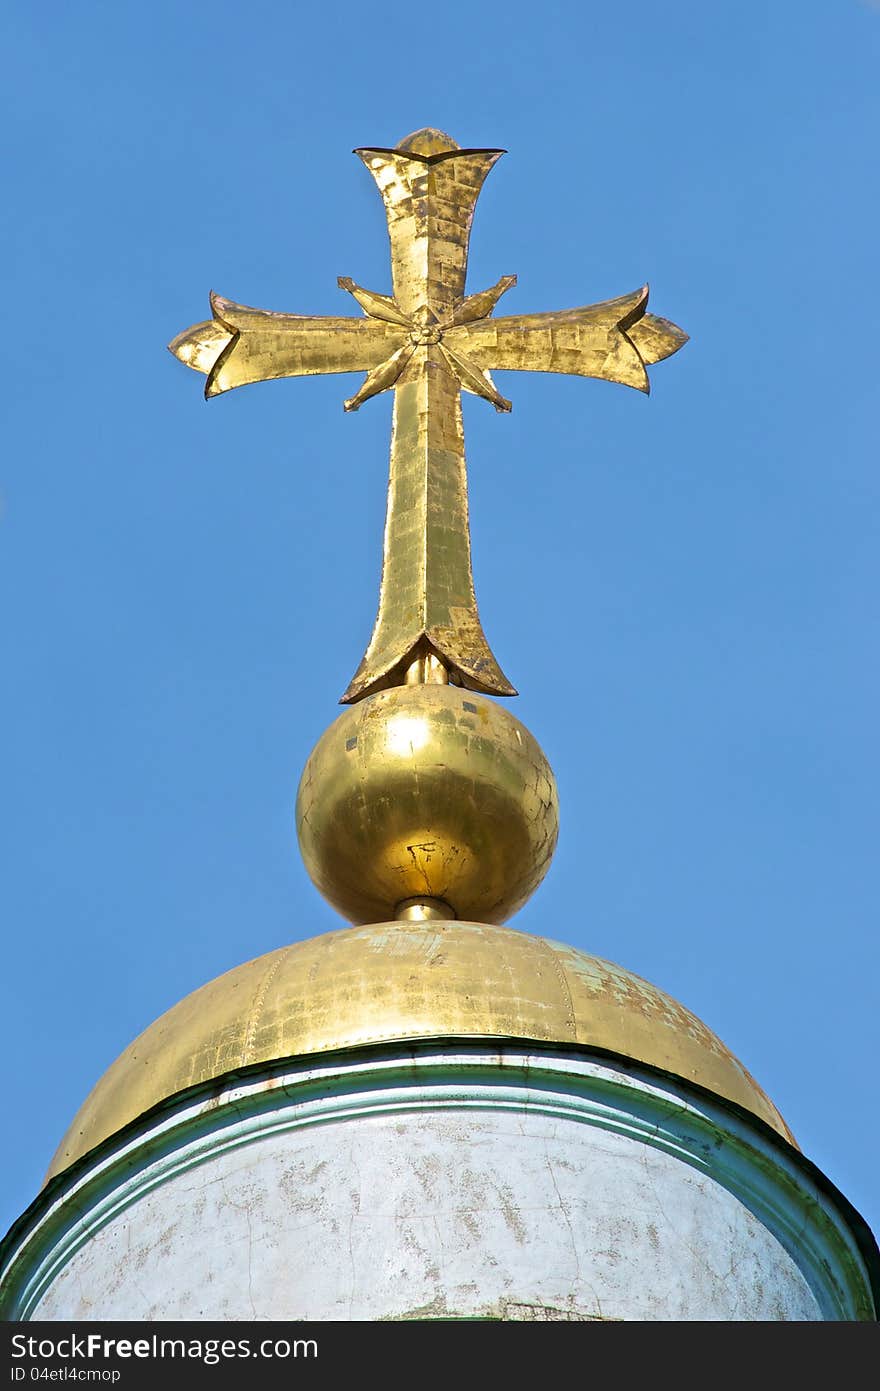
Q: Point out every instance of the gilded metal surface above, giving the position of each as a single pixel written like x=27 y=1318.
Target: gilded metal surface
x=419 y=910
x=404 y=981
x=427 y=792
x=426 y=670
x=427 y=342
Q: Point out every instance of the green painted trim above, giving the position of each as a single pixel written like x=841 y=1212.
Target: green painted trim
x=729 y=1149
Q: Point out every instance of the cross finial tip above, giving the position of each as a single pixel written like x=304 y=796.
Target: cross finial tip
x=428 y=141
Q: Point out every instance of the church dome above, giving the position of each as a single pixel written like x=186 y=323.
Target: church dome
x=399 y=981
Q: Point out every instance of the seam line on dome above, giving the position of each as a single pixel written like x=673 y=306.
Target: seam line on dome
x=260 y=1001
x=563 y=985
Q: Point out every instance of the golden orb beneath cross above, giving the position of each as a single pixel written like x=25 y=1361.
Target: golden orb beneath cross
x=427 y=800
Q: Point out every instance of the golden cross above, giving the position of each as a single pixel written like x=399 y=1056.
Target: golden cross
x=429 y=341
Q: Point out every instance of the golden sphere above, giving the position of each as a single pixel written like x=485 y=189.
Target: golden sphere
x=427 y=792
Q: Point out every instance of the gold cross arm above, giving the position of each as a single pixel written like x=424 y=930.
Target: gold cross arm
x=428 y=342
x=615 y=341
x=242 y=345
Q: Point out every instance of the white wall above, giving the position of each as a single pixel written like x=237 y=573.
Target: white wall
x=465 y=1184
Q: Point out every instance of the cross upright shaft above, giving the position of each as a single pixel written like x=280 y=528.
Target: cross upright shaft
x=427 y=602
x=428 y=342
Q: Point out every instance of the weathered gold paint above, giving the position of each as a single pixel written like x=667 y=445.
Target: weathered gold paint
x=427 y=342
x=406 y=981
x=427 y=792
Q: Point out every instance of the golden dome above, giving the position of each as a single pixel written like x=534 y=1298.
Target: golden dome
x=406 y=981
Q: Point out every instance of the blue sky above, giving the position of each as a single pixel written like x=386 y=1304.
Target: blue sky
x=683 y=588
